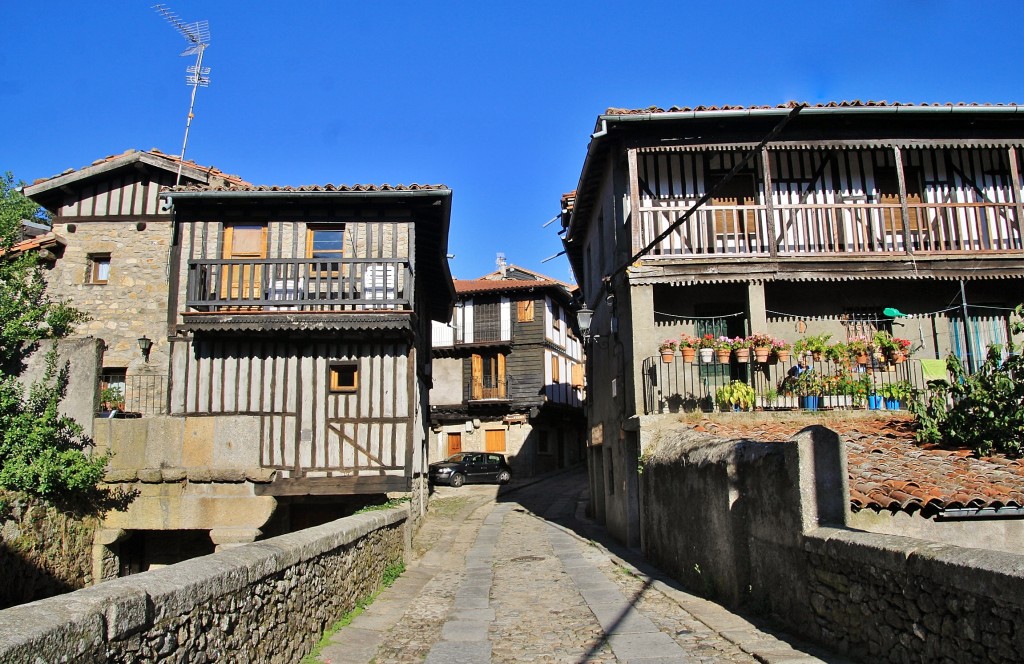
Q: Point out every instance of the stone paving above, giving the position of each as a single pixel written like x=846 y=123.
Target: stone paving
x=505 y=576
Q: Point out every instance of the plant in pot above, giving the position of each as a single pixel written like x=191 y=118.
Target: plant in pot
x=838 y=353
x=860 y=347
x=741 y=348
x=897 y=393
x=111 y=398
x=667 y=348
x=810 y=386
x=781 y=350
x=688 y=347
x=761 y=345
x=706 y=348
x=815 y=345
x=723 y=349
x=736 y=395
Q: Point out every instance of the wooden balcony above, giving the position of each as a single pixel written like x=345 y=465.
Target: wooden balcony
x=838 y=229
x=298 y=285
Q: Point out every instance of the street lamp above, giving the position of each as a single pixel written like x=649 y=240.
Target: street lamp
x=584 y=317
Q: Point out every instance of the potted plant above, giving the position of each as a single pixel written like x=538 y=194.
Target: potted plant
x=839 y=353
x=781 y=349
x=706 y=348
x=111 y=398
x=762 y=346
x=814 y=344
x=723 y=349
x=688 y=347
x=859 y=347
x=668 y=349
x=741 y=347
x=810 y=386
x=897 y=393
x=736 y=395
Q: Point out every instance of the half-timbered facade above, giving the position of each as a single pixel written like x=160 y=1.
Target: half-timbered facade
x=305 y=317
x=508 y=373
x=787 y=221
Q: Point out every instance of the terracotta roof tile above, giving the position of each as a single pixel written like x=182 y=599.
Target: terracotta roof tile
x=890 y=471
x=466 y=286
x=317 y=187
x=174 y=159
x=856 y=103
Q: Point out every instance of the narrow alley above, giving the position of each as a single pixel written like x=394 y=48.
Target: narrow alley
x=517 y=574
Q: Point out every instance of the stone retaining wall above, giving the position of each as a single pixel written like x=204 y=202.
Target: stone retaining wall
x=764 y=527
x=263 y=602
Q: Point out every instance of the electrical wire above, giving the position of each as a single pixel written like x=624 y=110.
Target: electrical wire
x=861 y=320
x=738 y=313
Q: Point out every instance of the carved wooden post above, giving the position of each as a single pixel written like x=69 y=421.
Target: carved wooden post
x=904 y=212
x=769 y=205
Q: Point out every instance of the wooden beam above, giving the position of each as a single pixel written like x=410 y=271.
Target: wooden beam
x=1015 y=175
x=769 y=204
x=904 y=211
x=634 y=203
x=333 y=486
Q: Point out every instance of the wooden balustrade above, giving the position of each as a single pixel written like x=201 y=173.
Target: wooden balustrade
x=841 y=228
x=298 y=284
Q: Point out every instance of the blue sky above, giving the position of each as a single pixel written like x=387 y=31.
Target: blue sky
x=494 y=99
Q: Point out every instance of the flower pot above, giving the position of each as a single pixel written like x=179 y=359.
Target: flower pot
x=743 y=355
x=723 y=356
x=809 y=402
x=688 y=354
x=667 y=356
x=862 y=358
x=898 y=358
x=761 y=354
x=816 y=355
x=892 y=404
x=782 y=355
x=874 y=402
x=707 y=355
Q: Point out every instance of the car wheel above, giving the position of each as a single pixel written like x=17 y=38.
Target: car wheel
x=457 y=480
x=504 y=477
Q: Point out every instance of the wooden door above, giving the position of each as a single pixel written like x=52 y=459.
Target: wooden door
x=888 y=185
x=454 y=443
x=242 y=279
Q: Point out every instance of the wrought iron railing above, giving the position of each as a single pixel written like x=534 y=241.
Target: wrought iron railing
x=679 y=386
x=143 y=395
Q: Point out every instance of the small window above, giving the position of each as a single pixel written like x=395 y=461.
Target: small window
x=556 y=375
x=325 y=242
x=99 y=268
x=344 y=377
x=556 y=316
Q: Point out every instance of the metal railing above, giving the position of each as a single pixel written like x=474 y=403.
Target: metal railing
x=298 y=284
x=679 y=386
x=144 y=395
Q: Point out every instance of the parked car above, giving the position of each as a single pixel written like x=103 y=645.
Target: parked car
x=470 y=467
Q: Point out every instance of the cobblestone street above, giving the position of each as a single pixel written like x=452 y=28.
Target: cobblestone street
x=517 y=574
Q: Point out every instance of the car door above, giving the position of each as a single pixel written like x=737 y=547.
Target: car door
x=472 y=465
x=489 y=468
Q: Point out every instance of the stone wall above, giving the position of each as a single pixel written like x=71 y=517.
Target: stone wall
x=262 y=602
x=764 y=527
x=43 y=551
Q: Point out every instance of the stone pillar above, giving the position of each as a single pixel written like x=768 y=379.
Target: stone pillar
x=226 y=538
x=105 y=562
x=757 y=308
x=822 y=481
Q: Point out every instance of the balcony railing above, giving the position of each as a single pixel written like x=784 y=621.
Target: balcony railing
x=489 y=387
x=841 y=228
x=692 y=386
x=144 y=395
x=481 y=333
x=298 y=284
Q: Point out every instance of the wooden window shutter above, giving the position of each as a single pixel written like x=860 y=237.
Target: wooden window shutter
x=525 y=310
x=577 y=375
x=477 y=389
x=501 y=376
x=555 y=374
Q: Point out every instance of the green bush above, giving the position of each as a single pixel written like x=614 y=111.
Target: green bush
x=987 y=411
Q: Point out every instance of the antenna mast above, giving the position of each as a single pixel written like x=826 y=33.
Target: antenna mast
x=198 y=36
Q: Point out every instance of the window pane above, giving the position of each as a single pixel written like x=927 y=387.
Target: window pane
x=327 y=243
x=102 y=269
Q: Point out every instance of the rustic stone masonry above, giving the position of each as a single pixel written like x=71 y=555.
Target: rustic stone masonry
x=263 y=602
x=897 y=599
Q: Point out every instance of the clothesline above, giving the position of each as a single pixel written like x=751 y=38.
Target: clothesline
x=738 y=313
x=885 y=319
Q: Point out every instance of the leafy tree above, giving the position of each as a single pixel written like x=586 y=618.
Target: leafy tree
x=987 y=412
x=42 y=452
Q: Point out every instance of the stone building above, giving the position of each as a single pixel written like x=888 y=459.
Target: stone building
x=786 y=221
x=508 y=372
x=286 y=378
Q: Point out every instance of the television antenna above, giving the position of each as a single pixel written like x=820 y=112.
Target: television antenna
x=198 y=36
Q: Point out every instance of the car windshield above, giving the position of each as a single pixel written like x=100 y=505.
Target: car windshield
x=456 y=458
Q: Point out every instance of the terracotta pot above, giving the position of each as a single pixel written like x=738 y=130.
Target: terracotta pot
x=723 y=356
x=782 y=355
x=667 y=356
x=862 y=358
x=742 y=354
x=761 y=354
x=816 y=355
x=688 y=354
